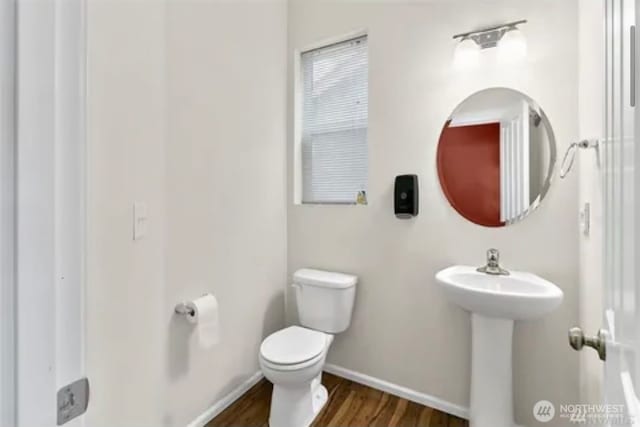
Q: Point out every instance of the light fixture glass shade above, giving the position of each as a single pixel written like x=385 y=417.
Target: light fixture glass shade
x=512 y=46
x=467 y=53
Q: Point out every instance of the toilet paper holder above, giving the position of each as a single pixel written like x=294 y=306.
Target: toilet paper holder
x=183 y=309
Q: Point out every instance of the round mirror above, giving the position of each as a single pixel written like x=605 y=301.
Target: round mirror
x=496 y=156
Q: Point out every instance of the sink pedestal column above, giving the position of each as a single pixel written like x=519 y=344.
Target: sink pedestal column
x=491 y=372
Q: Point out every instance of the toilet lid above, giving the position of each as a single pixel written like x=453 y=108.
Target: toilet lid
x=293 y=345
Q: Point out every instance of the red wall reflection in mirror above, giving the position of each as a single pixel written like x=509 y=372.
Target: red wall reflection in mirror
x=469 y=171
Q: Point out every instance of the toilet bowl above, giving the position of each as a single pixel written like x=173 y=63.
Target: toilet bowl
x=293 y=358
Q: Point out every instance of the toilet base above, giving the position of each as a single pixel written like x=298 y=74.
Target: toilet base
x=297 y=406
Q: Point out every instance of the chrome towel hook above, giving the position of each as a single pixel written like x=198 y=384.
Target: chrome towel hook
x=570 y=156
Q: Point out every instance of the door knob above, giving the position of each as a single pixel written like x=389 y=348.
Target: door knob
x=578 y=340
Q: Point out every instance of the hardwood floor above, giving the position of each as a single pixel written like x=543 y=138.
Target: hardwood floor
x=350 y=405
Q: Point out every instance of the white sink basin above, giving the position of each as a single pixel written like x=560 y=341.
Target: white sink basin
x=516 y=296
x=495 y=302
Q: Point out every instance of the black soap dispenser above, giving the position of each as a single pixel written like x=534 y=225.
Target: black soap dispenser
x=405 y=196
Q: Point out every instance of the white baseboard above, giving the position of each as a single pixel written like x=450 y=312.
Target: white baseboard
x=400 y=391
x=226 y=401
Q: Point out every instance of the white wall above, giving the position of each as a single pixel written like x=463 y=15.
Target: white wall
x=403 y=329
x=125 y=279
x=226 y=205
x=187 y=111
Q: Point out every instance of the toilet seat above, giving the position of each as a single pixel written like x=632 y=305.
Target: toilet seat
x=293 y=347
x=292 y=368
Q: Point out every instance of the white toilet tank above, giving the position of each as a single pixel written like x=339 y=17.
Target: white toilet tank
x=324 y=299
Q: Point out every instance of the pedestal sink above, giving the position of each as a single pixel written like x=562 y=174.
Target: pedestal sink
x=495 y=302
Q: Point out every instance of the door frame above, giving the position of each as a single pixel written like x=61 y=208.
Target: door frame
x=50 y=205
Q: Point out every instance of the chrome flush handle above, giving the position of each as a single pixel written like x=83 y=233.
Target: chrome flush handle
x=578 y=340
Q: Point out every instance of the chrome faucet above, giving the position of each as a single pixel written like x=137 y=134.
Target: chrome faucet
x=493 y=264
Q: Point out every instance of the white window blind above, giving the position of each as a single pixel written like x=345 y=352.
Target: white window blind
x=334 y=122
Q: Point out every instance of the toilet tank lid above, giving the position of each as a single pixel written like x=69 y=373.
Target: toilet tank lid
x=327 y=279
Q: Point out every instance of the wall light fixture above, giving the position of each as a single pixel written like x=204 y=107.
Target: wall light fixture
x=507 y=37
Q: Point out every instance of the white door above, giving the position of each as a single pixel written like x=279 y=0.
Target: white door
x=514 y=162
x=619 y=338
x=619 y=198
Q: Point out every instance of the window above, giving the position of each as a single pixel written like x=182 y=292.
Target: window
x=334 y=122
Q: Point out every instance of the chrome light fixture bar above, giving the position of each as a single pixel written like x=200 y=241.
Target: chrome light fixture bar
x=490 y=36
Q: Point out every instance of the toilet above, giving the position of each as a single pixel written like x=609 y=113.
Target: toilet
x=293 y=358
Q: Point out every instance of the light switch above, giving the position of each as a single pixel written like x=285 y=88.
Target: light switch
x=585 y=219
x=139 y=220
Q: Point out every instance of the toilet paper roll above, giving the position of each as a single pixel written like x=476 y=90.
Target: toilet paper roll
x=205 y=316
